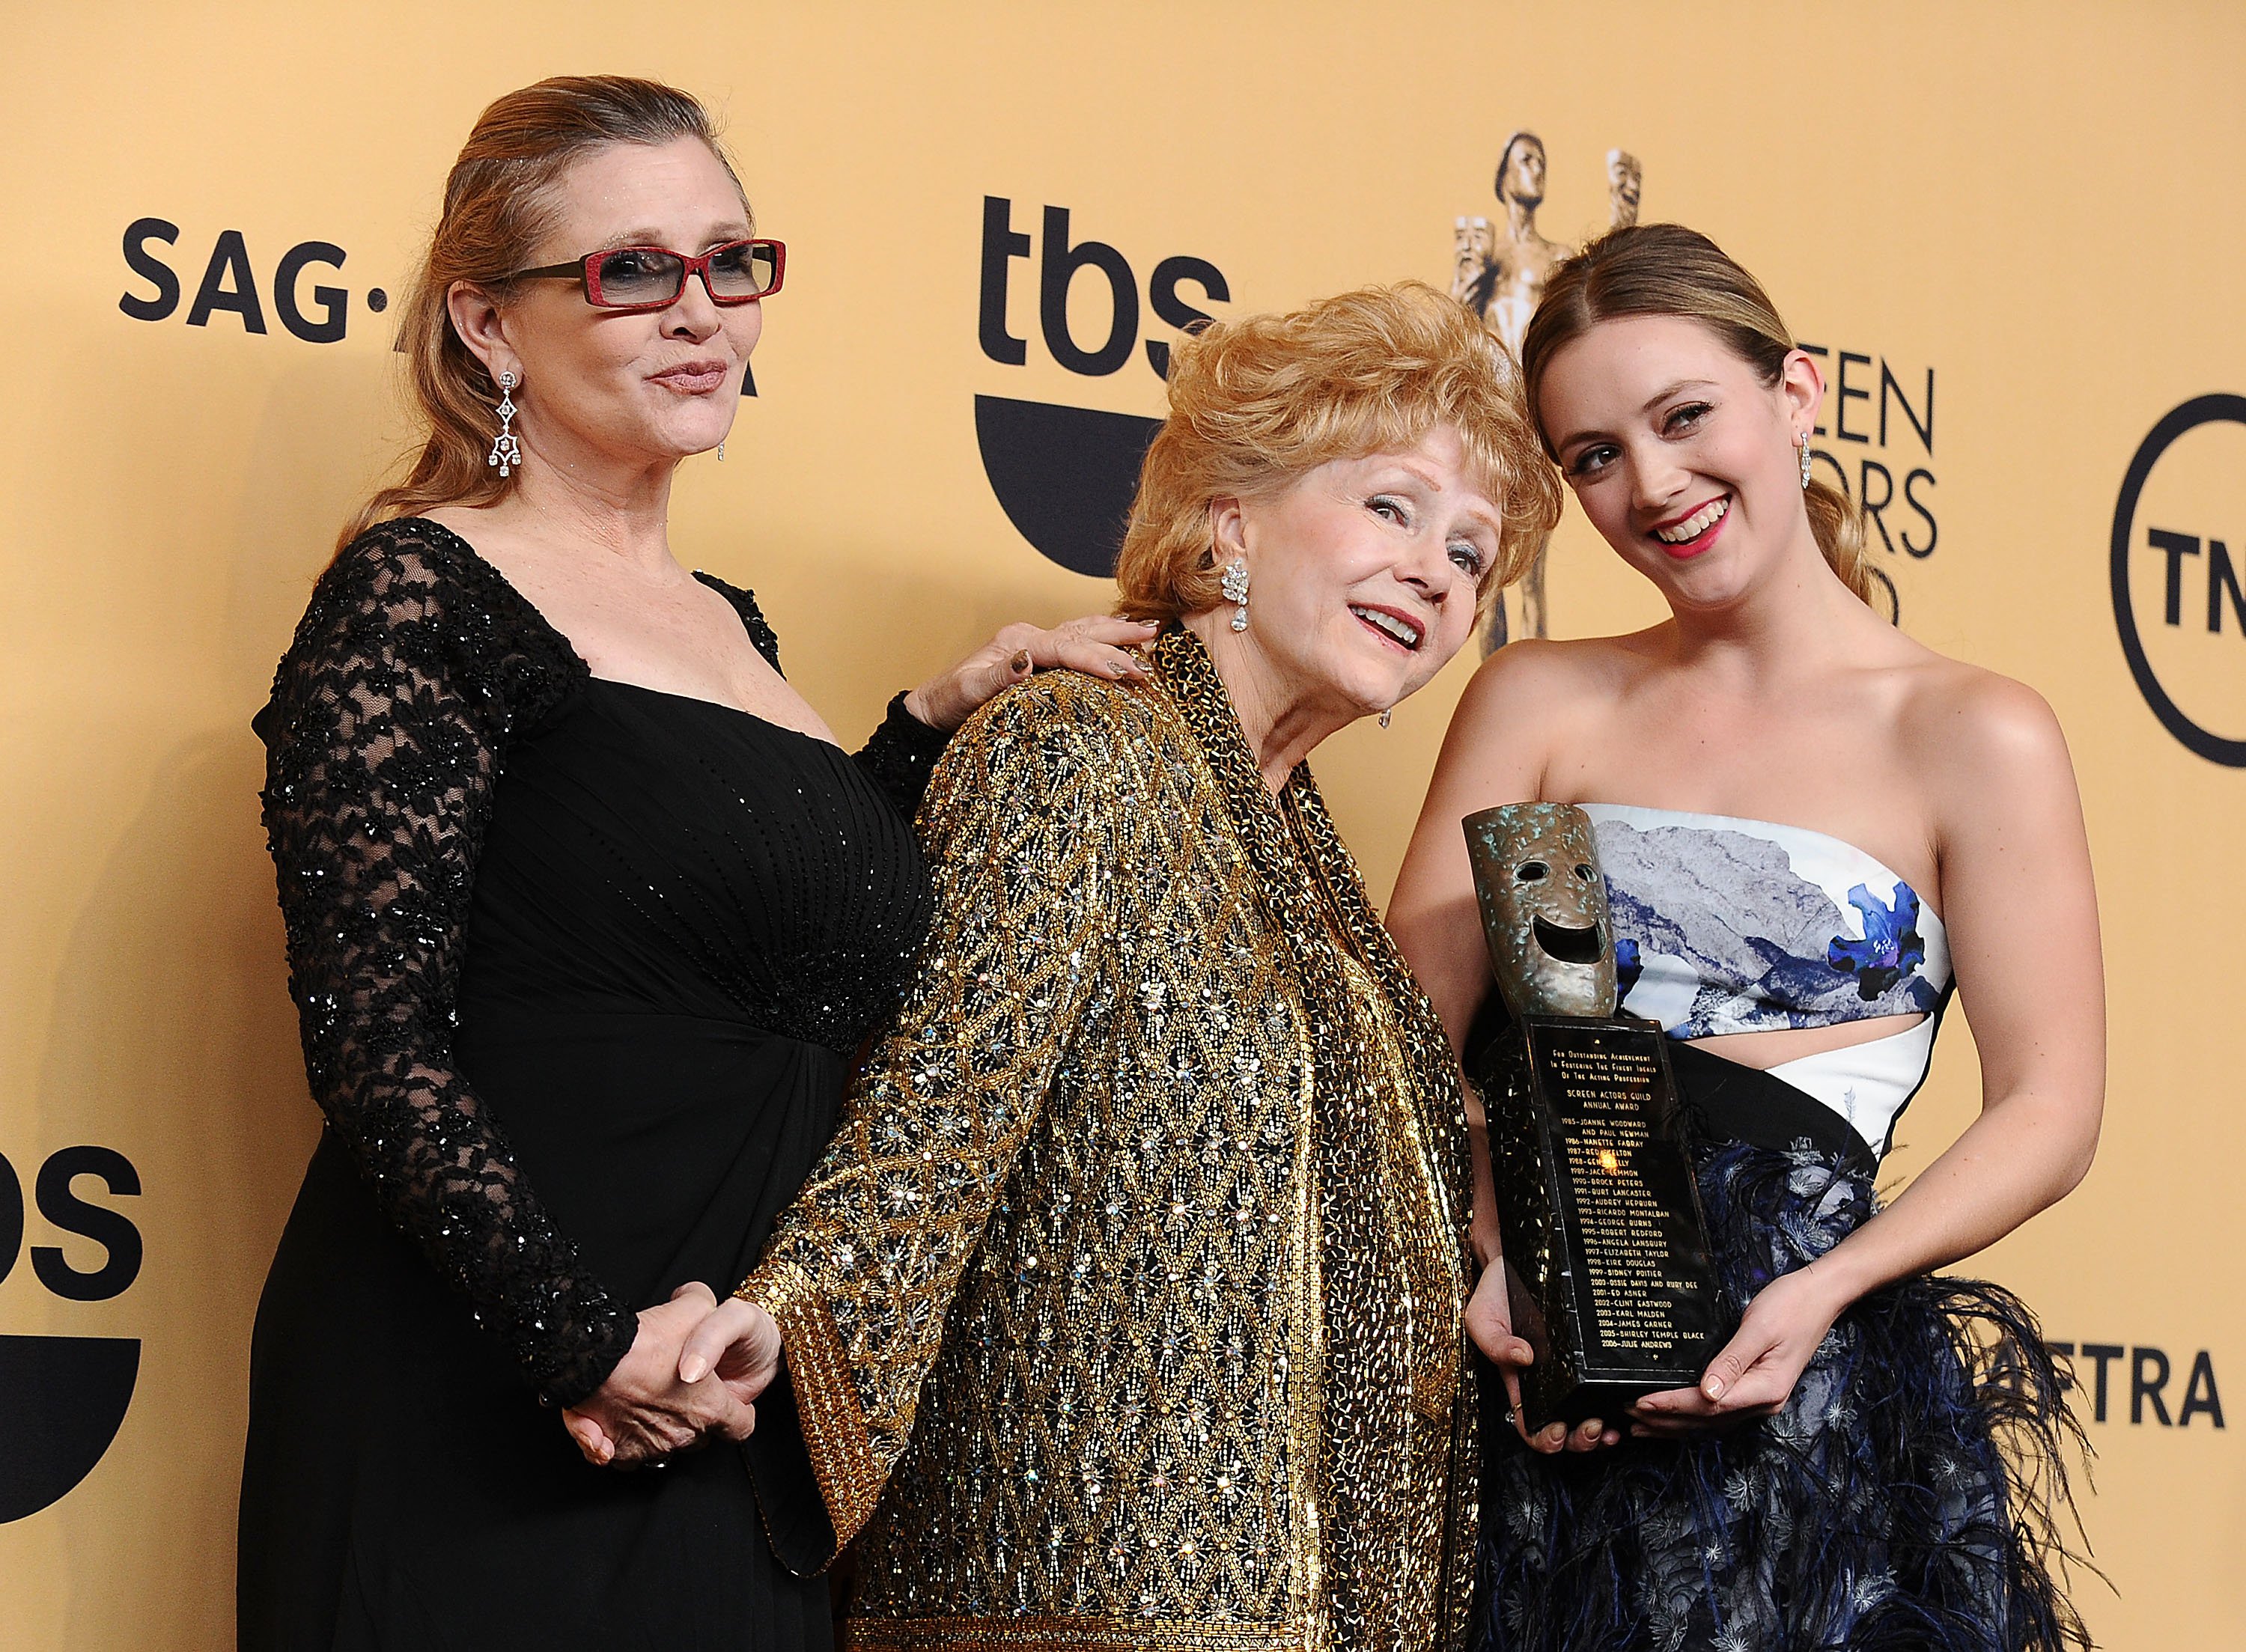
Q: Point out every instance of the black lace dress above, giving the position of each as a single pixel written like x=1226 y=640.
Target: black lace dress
x=581 y=968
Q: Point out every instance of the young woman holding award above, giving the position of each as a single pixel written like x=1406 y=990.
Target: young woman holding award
x=1814 y=831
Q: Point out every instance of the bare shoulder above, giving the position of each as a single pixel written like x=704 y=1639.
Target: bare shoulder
x=1533 y=676
x=1974 y=731
x=1974 y=714
x=1528 y=700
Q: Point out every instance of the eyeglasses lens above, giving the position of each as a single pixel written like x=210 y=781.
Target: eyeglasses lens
x=738 y=270
x=639 y=276
x=741 y=270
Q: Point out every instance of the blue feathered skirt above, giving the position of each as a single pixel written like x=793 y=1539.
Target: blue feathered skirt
x=1903 y=1499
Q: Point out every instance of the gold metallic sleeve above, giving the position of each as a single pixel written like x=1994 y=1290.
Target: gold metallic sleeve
x=1022 y=825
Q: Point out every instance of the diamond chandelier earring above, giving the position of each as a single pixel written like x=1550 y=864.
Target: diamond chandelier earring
x=506 y=450
x=1805 y=461
x=1236 y=591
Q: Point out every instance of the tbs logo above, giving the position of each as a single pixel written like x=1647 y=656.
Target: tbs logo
x=1066 y=475
x=62 y=1398
x=228 y=284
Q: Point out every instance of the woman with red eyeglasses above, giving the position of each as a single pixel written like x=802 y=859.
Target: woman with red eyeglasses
x=587 y=914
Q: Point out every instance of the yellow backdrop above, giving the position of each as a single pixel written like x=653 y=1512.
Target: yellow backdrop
x=2022 y=215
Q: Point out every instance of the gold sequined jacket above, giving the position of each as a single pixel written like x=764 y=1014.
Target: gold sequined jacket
x=1125 y=1310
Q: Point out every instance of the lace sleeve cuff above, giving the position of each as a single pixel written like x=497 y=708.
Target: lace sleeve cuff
x=571 y=1375
x=900 y=755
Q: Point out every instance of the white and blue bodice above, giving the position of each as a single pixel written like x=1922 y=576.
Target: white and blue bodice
x=1722 y=925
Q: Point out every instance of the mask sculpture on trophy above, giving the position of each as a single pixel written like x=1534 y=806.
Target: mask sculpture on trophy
x=1498 y=270
x=1607 y=1258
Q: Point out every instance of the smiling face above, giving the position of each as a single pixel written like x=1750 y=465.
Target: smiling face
x=645 y=387
x=1363 y=575
x=1683 y=458
x=1543 y=909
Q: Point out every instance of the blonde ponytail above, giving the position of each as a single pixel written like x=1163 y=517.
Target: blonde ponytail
x=1839 y=525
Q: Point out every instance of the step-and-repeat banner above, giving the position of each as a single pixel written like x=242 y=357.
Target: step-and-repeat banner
x=2010 y=232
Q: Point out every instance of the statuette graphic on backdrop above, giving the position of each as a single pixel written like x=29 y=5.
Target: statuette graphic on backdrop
x=1498 y=270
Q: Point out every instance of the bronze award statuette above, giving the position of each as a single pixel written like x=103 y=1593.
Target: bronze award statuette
x=1607 y=1258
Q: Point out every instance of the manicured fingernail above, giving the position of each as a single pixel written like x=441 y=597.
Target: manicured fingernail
x=691 y=1369
x=1714 y=1388
x=1021 y=661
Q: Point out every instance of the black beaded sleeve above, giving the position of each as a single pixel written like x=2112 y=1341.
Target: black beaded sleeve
x=898 y=757
x=385 y=736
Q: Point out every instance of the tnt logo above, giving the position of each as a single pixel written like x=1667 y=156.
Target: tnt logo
x=2179 y=586
x=62 y=1398
x=1064 y=475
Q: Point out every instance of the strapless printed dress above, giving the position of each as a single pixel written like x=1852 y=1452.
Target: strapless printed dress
x=1906 y=1495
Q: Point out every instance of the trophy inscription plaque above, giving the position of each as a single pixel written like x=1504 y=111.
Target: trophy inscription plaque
x=1607 y=1258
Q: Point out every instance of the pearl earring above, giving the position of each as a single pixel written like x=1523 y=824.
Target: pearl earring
x=1236 y=591
x=506 y=448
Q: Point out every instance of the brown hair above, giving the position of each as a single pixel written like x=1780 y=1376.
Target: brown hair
x=1258 y=402
x=1666 y=269
x=499 y=204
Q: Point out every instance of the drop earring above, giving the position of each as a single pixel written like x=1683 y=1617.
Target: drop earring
x=1385 y=716
x=506 y=450
x=1236 y=591
x=1805 y=461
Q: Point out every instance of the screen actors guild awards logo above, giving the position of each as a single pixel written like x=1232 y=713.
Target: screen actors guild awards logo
x=1498 y=270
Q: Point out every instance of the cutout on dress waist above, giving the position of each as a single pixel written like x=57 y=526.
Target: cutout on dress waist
x=1874 y=1030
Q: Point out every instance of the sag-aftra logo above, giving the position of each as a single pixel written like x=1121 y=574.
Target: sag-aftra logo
x=63 y=1397
x=1065 y=476
x=306 y=306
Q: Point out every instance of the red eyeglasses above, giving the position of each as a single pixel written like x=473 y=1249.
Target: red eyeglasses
x=740 y=272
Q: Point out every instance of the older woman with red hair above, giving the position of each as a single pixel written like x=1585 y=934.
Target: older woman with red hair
x=1127 y=1308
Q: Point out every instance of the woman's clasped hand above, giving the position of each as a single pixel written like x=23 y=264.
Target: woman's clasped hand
x=692 y=1377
